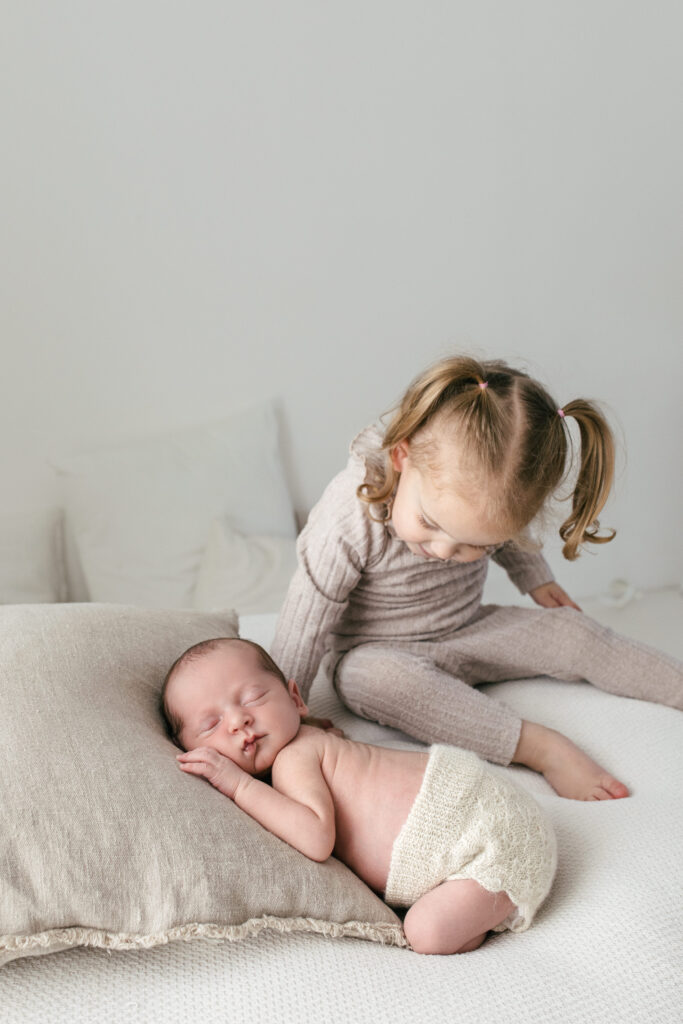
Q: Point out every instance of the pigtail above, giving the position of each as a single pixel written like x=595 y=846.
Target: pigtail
x=466 y=388
x=594 y=480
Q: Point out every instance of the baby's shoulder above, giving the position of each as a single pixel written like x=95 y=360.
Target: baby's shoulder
x=308 y=744
x=301 y=761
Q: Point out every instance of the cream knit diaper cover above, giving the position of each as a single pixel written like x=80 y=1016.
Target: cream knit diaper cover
x=469 y=822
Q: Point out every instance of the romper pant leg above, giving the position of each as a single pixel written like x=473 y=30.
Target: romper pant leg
x=514 y=643
x=425 y=688
x=401 y=686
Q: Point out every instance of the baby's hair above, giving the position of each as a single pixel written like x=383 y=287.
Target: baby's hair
x=172 y=721
x=514 y=439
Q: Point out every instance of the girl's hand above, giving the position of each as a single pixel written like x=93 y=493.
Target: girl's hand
x=220 y=771
x=551 y=595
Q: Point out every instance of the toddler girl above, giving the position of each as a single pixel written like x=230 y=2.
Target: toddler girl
x=393 y=559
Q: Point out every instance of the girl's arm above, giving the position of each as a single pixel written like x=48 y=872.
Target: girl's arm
x=528 y=570
x=532 y=575
x=300 y=811
x=337 y=543
x=552 y=595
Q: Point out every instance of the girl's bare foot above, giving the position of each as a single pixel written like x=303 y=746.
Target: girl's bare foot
x=569 y=771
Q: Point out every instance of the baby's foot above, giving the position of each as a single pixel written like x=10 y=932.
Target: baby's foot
x=569 y=771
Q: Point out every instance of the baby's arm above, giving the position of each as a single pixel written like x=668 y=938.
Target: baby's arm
x=302 y=815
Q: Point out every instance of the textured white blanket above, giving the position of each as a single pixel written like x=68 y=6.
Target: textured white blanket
x=606 y=945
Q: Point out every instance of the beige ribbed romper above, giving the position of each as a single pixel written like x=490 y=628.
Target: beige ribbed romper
x=406 y=638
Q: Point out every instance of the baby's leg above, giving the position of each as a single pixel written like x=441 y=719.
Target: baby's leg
x=455 y=917
x=407 y=691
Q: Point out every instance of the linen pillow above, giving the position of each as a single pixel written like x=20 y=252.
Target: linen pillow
x=103 y=841
x=139 y=512
x=32 y=557
x=249 y=574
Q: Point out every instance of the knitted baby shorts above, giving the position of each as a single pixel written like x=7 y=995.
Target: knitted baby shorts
x=468 y=821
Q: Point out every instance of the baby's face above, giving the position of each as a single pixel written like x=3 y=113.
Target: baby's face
x=229 y=702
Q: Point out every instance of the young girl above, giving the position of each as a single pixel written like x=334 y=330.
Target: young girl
x=393 y=559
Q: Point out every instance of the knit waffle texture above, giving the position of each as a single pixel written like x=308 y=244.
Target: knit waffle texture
x=467 y=822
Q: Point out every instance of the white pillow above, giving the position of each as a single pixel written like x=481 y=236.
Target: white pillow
x=139 y=512
x=32 y=557
x=249 y=574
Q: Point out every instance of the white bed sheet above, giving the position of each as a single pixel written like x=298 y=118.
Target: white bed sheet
x=606 y=946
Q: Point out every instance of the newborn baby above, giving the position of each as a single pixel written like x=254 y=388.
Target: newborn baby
x=436 y=831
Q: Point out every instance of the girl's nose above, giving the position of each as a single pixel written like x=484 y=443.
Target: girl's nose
x=445 y=549
x=458 y=552
x=465 y=553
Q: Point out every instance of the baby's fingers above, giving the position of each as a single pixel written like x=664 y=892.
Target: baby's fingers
x=204 y=754
x=194 y=767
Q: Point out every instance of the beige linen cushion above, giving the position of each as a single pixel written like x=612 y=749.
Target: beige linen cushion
x=103 y=841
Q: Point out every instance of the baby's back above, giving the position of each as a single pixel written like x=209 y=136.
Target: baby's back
x=373 y=789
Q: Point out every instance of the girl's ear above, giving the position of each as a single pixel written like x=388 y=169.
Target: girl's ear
x=399 y=454
x=295 y=694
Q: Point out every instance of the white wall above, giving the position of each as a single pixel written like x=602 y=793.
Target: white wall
x=206 y=202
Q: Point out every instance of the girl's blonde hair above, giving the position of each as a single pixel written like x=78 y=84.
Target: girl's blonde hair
x=514 y=440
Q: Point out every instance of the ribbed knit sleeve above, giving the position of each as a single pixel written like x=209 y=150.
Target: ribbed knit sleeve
x=526 y=569
x=337 y=543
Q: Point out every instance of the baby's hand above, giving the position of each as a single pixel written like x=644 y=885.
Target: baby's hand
x=220 y=771
x=551 y=595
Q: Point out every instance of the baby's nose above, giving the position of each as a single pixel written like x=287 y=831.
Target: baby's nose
x=239 y=719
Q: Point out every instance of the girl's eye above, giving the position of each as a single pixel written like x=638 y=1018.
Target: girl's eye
x=423 y=522
x=252 y=698
x=209 y=727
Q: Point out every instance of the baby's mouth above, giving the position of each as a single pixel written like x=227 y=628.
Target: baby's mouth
x=249 y=745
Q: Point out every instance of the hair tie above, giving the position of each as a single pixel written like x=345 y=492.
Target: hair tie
x=560 y=412
x=483 y=384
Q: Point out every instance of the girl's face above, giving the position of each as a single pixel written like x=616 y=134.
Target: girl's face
x=436 y=522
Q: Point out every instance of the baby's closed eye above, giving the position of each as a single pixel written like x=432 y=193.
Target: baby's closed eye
x=253 y=698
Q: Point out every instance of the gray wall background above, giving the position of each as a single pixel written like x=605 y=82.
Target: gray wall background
x=207 y=203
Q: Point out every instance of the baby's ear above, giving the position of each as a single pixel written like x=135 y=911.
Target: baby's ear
x=295 y=694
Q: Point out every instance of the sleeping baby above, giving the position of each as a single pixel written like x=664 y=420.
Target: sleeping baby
x=436 y=831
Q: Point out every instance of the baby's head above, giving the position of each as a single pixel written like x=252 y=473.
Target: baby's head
x=229 y=695
x=473 y=452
